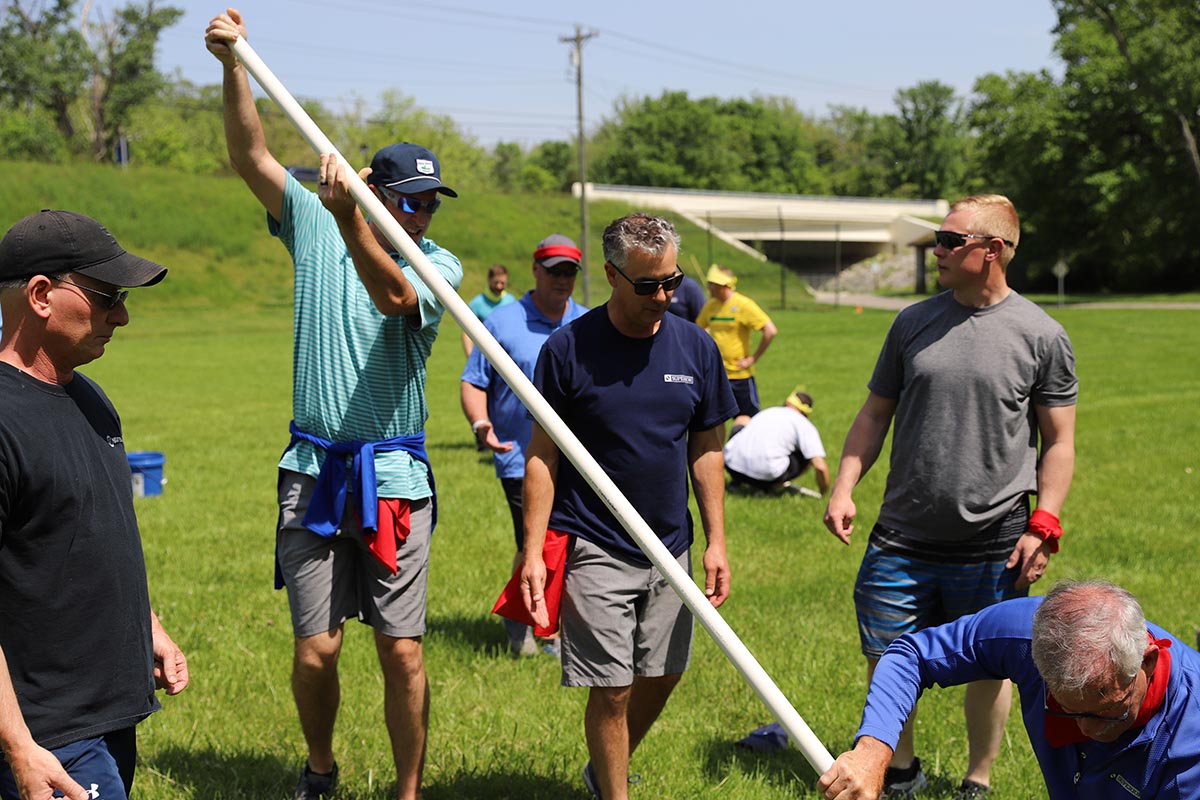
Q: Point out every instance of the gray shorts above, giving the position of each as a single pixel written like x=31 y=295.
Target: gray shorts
x=620 y=619
x=330 y=580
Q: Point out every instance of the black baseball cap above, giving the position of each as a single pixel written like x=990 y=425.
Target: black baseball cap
x=55 y=242
x=408 y=168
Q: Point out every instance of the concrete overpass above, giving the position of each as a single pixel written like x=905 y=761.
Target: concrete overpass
x=813 y=235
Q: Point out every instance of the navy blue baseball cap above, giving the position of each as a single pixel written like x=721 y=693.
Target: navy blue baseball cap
x=408 y=168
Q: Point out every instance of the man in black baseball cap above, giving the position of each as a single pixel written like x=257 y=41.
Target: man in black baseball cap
x=58 y=242
x=67 y=517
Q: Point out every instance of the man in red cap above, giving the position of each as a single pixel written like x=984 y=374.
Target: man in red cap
x=72 y=575
x=497 y=416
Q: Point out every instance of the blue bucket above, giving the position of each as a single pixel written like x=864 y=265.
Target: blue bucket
x=147 y=469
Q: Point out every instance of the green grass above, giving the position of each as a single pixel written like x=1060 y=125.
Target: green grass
x=210 y=388
x=203 y=374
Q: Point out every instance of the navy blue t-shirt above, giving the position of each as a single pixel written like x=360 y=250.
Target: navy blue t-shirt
x=632 y=403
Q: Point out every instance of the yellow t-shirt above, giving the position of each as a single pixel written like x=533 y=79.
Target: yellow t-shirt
x=730 y=323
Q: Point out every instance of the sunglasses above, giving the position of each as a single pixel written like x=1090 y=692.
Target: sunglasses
x=411 y=205
x=1094 y=717
x=561 y=271
x=648 y=286
x=950 y=240
x=110 y=300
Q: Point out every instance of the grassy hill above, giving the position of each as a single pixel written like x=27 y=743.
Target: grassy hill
x=210 y=231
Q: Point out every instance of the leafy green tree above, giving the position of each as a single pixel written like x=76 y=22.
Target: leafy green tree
x=556 y=159
x=931 y=160
x=122 y=68
x=45 y=62
x=855 y=150
x=506 y=169
x=761 y=145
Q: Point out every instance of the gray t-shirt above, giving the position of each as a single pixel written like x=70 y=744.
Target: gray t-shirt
x=965 y=437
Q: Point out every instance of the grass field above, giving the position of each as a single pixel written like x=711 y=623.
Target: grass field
x=203 y=375
x=211 y=388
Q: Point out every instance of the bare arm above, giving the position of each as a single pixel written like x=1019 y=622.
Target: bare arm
x=707 y=465
x=768 y=333
x=35 y=770
x=821 y=472
x=474 y=405
x=389 y=289
x=244 y=138
x=1056 y=469
x=541 y=475
x=863 y=443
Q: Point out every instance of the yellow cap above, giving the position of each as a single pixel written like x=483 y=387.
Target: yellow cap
x=720 y=277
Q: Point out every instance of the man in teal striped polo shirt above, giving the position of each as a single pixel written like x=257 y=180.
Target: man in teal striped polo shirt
x=364 y=326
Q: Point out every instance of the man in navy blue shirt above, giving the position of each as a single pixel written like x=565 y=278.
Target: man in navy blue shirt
x=647 y=395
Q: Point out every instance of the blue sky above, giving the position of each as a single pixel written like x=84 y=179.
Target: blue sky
x=500 y=71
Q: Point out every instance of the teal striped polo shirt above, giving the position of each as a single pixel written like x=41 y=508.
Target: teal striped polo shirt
x=357 y=375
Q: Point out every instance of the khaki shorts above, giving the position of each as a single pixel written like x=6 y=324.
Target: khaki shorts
x=330 y=580
x=620 y=620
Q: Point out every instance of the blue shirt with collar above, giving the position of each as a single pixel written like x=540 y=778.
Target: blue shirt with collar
x=521 y=329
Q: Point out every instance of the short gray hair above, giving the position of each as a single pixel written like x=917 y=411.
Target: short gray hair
x=1087 y=632
x=640 y=232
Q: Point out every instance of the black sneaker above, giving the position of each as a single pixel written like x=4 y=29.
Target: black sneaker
x=902 y=783
x=591 y=782
x=971 y=790
x=313 y=784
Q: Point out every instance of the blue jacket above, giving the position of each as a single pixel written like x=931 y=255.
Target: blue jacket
x=1159 y=760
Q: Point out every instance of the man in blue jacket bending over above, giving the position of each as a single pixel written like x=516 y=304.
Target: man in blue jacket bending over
x=1111 y=703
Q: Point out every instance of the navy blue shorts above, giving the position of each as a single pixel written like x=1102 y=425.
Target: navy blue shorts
x=102 y=765
x=901 y=589
x=745 y=392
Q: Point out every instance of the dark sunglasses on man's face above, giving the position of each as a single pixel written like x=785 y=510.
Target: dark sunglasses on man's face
x=411 y=205
x=110 y=300
x=951 y=240
x=561 y=271
x=648 y=286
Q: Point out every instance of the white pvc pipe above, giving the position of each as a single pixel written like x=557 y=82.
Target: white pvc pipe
x=693 y=597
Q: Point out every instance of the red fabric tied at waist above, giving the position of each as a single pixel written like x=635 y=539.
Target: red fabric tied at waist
x=393 y=527
x=510 y=605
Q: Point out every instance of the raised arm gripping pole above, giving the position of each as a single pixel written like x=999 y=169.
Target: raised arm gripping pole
x=567 y=442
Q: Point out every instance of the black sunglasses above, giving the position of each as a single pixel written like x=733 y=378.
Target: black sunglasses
x=648 y=286
x=411 y=205
x=950 y=240
x=110 y=300
x=561 y=271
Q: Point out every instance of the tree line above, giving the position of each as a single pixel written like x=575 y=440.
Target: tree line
x=1102 y=161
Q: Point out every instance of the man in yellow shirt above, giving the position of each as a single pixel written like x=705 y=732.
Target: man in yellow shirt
x=729 y=317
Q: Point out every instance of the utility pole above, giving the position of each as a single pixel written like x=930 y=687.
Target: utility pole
x=577 y=61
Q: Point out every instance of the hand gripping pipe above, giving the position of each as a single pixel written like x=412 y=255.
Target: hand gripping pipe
x=567 y=442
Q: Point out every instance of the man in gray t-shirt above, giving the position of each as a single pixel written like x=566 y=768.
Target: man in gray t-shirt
x=973 y=378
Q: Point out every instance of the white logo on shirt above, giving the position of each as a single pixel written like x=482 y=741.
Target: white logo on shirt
x=94 y=793
x=669 y=378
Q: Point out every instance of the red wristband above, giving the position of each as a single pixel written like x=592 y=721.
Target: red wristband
x=1047 y=526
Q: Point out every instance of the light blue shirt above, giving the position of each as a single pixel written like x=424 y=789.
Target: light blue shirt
x=358 y=375
x=482 y=304
x=521 y=329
